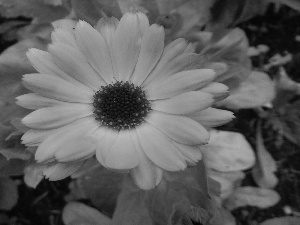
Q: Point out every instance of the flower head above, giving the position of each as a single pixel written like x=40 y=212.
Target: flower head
x=114 y=91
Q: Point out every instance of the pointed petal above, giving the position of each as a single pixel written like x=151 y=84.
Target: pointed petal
x=64 y=36
x=34 y=101
x=56 y=88
x=57 y=116
x=69 y=133
x=59 y=171
x=179 y=83
x=179 y=128
x=212 y=117
x=76 y=149
x=44 y=63
x=72 y=62
x=94 y=47
x=126 y=46
x=152 y=46
x=35 y=137
x=159 y=148
x=146 y=175
x=122 y=154
x=218 y=90
x=185 y=103
x=192 y=153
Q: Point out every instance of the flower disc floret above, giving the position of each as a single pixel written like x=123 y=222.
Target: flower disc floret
x=121 y=105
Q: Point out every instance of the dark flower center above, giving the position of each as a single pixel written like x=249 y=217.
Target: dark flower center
x=121 y=105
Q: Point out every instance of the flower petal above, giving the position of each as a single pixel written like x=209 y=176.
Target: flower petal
x=180 y=63
x=218 y=67
x=72 y=62
x=107 y=27
x=179 y=83
x=126 y=46
x=44 y=63
x=152 y=46
x=186 y=103
x=179 y=128
x=218 y=90
x=192 y=153
x=64 y=36
x=76 y=149
x=105 y=142
x=212 y=117
x=34 y=101
x=59 y=171
x=35 y=137
x=53 y=142
x=94 y=47
x=146 y=175
x=159 y=148
x=57 y=116
x=122 y=154
x=56 y=88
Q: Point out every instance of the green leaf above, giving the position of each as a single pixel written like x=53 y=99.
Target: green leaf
x=76 y=213
x=33 y=174
x=253 y=196
x=288 y=220
x=36 y=9
x=15 y=153
x=228 y=151
x=8 y=193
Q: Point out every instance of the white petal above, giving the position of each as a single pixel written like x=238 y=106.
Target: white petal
x=34 y=101
x=72 y=62
x=107 y=28
x=192 y=153
x=218 y=90
x=59 y=171
x=57 y=116
x=52 y=143
x=180 y=63
x=146 y=175
x=94 y=47
x=126 y=46
x=179 y=83
x=65 y=24
x=76 y=149
x=179 y=128
x=185 y=103
x=64 y=36
x=122 y=154
x=218 y=67
x=143 y=23
x=35 y=137
x=159 y=148
x=56 y=88
x=212 y=117
x=105 y=141
x=151 y=49
x=44 y=63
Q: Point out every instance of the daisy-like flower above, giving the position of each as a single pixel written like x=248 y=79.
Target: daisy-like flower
x=116 y=92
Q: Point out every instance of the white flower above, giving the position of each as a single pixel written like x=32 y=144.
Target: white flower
x=116 y=92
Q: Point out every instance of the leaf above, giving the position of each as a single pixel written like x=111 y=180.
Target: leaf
x=102 y=186
x=227 y=151
x=257 y=90
x=259 y=197
x=288 y=220
x=33 y=174
x=131 y=208
x=75 y=213
x=8 y=193
x=12 y=167
x=263 y=171
x=91 y=11
x=36 y=9
x=15 y=153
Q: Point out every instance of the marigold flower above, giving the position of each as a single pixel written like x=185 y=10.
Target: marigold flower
x=116 y=92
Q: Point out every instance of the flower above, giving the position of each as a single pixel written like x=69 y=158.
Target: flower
x=116 y=92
